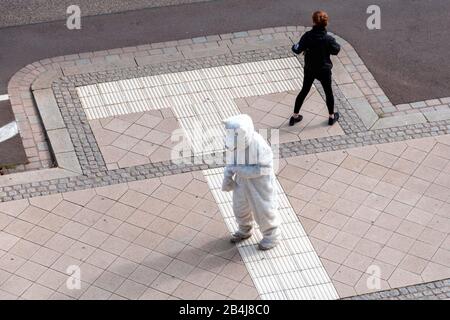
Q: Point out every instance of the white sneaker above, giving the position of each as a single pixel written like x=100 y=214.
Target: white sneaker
x=239 y=236
x=267 y=244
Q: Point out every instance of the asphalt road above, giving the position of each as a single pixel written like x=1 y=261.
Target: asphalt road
x=21 y=12
x=407 y=56
x=11 y=150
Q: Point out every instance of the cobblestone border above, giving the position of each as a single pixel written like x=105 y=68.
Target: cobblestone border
x=40 y=74
x=436 y=290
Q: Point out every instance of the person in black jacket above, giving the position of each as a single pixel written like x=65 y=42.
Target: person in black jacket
x=317 y=47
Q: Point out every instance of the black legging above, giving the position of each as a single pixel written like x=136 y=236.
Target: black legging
x=325 y=79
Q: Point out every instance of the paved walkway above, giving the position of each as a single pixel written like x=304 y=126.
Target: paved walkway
x=365 y=203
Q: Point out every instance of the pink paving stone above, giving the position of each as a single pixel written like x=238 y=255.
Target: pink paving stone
x=390 y=255
x=416 y=185
x=395 y=178
x=435 y=162
x=33 y=214
x=354 y=164
x=398 y=209
x=120 y=211
x=402 y=278
x=395 y=148
x=438 y=192
x=179 y=181
x=434 y=271
x=414 y=155
x=355 y=194
x=304 y=162
x=132 y=159
x=344 y=290
x=345 y=207
x=419 y=216
x=313 y=212
x=333 y=157
x=366 y=282
x=113 y=192
x=347 y=276
x=377 y=202
x=366 y=214
x=302 y=192
x=223 y=285
x=346 y=240
x=374 y=171
x=368 y=248
x=13 y=208
x=324 y=199
x=364 y=153
x=117 y=125
x=422 y=250
x=410 y=229
x=378 y=234
x=433 y=237
x=413 y=264
x=324 y=232
x=133 y=198
x=292 y=173
x=405 y=166
x=334 y=219
x=334 y=187
x=408 y=197
x=365 y=183
x=335 y=254
x=165 y=193
x=47 y=202
x=66 y=209
x=145 y=186
x=308 y=224
x=81 y=197
x=197 y=188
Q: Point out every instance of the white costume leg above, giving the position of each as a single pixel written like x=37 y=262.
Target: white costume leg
x=263 y=202
x=242 y=210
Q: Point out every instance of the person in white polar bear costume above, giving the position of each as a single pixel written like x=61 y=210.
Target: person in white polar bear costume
x=250 y=175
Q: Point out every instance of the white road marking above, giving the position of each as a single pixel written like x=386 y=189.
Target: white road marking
x=4 y=97
x=8 y=131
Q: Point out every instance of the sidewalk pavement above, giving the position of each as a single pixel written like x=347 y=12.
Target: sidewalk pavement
x=365 y=203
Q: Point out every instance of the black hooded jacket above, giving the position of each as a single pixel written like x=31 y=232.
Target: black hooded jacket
x=317 y=46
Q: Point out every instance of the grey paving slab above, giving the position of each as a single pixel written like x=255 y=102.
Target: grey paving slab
x=68 y=161
x=48 y=109
x=340 y=75
x=192 y=54
x=35 y=176
x=60 y=141
x=260 y=45
x=399 y=121
x=437 y=115
x=157 y=59
x=45 y=79
x=364 y=110
x=99 y=66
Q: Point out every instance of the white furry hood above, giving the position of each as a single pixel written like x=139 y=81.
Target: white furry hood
x=241 y=125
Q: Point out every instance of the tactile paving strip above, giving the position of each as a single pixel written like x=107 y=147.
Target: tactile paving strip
x=292 y=270
x=200 y=99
